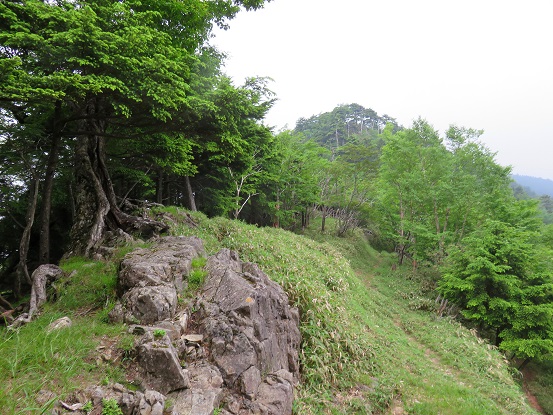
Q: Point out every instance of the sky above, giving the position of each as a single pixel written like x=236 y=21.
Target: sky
x=483 y=64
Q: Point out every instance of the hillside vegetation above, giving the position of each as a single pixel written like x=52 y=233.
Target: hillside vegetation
x=108 y=106
x=372 y=341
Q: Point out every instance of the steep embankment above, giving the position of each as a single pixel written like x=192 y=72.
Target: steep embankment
x=371 y=340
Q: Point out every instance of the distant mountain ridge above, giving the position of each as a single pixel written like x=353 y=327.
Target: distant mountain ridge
x=535 y=184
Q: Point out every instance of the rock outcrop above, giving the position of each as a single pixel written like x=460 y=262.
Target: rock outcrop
x=237 y=352
x=160 y=365
x=150 y=280
x=252 y=335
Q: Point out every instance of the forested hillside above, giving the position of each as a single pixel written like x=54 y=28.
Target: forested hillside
x=107 y=107
x=536 y=185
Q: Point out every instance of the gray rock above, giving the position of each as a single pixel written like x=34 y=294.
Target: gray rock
x=160 y=365
x=58 y=324
x=253 y=335
x=151 y=403
x=148 y=305
x=150 y=279
x=205 y=392
x=251 y=379
x=167 y=262
x=194 y=338
x=241 y=346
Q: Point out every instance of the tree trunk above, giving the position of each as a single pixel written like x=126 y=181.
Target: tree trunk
x=5 y=303
x=96 y=207
x=22 y=270
x=400 y=254
x=524 y=363
x=323 y=221
x=190 y=202
x=44 y=243
x=159 y=187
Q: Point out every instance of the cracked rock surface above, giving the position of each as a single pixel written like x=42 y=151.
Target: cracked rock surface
x=236 y=353
x=252 y=335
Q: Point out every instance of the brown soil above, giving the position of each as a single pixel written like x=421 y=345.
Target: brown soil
x=528 y=376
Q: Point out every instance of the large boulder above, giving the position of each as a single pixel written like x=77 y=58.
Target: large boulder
x=160 y=365
x=252 y=335
x=151 y=278
x=239 y=345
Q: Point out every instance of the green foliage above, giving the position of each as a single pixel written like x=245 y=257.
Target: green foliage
x=125 y=74
x=110 y=407
x=126 y=345
x=293 y=175
x=433 y=191
x=158 y=333
x=90 y=283
x=33 y=358
x=198 y=262
x=492 y=278
x=196 y=277
x=345 y=124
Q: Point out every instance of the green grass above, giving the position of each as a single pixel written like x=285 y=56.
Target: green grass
x=196 y=277
x=34 y=359
x=371 y=340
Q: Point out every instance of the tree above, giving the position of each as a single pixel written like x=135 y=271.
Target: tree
x=495 y=277
x=433 y=191
x=351 y=184
x=414 y=184
x=231 y=138
x=292 y=171
x=345 y=124
x=115 y=70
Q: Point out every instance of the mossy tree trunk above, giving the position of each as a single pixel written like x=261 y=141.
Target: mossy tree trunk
x=97 y=211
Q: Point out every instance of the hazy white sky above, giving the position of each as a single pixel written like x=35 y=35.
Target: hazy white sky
x=485 y=64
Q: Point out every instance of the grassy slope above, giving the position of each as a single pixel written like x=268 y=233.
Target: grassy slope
x=368 y=345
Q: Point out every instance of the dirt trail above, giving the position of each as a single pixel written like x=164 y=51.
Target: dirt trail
x=527 y=376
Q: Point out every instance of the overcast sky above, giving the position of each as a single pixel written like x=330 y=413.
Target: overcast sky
x=483 y=64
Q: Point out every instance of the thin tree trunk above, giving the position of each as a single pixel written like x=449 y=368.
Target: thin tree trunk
x=22 y=270
x=191 y=203
x=323 y=221
x=159 y=187
x=5 y=303
x=46 y=208
x=524 y=363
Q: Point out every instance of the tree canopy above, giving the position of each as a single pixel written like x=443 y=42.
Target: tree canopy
x=128 y=77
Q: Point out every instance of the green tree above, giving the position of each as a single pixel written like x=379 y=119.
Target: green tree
x=415 y=189
x=292 y=178
x=495 y=277
x=351 y=184
x=345 y=124
x=115 y=70
x=434 y=191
